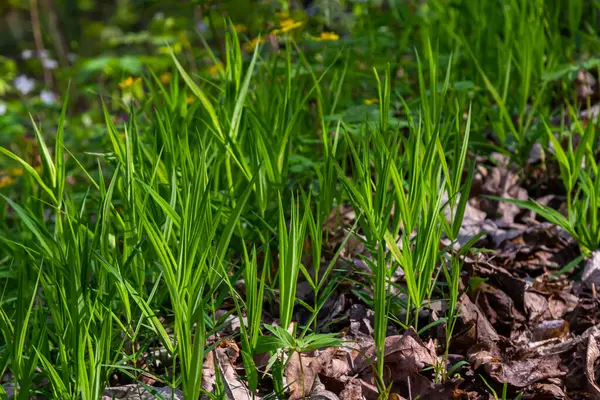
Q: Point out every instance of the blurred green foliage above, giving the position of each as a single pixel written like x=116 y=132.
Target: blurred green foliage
x=96 y=45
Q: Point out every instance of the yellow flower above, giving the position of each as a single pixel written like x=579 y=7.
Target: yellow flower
x=286 y=22
x=328 y=36
x=126 y=83
x=240 y=28
x=6 y=181
x=165 y=78
x=129 y=82
x=371 y=101
x=15 y=172
x=214 y=69
x=190 y=99
x=287 y=25
x=251 y=45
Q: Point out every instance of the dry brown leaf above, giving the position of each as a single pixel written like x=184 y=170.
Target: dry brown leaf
x=352 y=390
x=545 y=391
x=535 y=305
x=209 y=376
x=405 y=356
x=551 y=329
x=498 y=307
x=139 y=392
x=235 y=387
x=591 y=355
x=473 y=328
x=526 y=371
x=302 y=370
x=515 y=366
x=319 y=392
x=502 y=182
x=408 y=351
x=591 y=272
x=585 y=84
x=368 y=388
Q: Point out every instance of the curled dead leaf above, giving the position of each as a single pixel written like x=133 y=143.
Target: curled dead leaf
x=592 y=354
x=551 y=329
x=473 y=327
x=235 y=388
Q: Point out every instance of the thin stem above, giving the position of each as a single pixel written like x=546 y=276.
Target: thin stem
x=39 y=42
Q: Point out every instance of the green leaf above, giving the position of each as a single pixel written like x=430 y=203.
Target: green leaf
x=206 y=103
x=164 y=205
x=548 y=213
x=30 y=170
x=267 y=344
x=283 y=335
x=48 y=163
x=34 y=227
x=320 y=341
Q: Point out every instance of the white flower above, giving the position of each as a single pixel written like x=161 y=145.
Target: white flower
x=2 y=108
x=87 y=120
x=49 y=63
x=72 y=57
x=26 y=54
x=24 y=84
x=47 y=97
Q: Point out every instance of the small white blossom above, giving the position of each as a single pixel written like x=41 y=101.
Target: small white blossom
x=87 y=120
x=3 y=108
x=24 y=84
x=47 y=97
x=49 y=63
x=26 y=54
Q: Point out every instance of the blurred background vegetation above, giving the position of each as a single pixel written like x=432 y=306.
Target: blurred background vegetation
x=102 y=48
x=94 y=46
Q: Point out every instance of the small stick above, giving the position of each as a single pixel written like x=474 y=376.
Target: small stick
x=569 y=344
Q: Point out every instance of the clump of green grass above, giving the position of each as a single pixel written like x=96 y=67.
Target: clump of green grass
x=209 y=183
x=578 y=173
